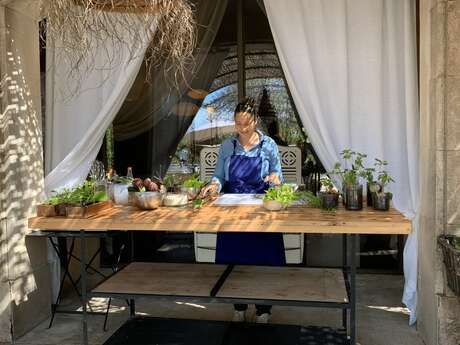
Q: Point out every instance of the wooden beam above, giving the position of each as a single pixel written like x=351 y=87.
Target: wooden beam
x=240 y=50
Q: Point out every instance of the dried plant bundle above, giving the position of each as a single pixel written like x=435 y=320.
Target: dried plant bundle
x=82 y=28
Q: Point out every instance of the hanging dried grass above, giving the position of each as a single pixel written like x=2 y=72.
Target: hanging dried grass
x=81 y=28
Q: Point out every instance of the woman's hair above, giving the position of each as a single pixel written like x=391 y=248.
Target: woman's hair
x=247 y=105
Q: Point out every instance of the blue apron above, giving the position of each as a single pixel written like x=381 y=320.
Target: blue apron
x=248 y=248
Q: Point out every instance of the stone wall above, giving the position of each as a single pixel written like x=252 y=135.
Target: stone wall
x=24 y=284
x=439 y=309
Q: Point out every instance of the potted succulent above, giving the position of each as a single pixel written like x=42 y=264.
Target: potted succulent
x=328 y=195
x=279 y=197
x=192 y=187
x=350 y=176
x=380 y=198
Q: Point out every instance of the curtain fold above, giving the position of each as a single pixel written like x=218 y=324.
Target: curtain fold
x=149 y=102
x=78 y=122
x=351 y=69
x=169 y=131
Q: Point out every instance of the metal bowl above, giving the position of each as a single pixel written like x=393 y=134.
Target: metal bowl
x=273 y=205
x=191 y=192
x=148 y=200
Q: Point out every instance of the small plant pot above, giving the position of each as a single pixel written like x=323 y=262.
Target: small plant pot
x=46 y=210
x=192 y=192
x=273 y=205
x=353 y=197
x=329 y=200
x=175 y=199
x=381 y=201
x=73 y=211
x=369 y=196
x=371 y=189
x=61 y=209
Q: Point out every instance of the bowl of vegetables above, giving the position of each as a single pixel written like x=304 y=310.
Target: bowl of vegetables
x=279 y=197
x=148 y=200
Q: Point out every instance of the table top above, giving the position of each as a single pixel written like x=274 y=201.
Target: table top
x=209 y=218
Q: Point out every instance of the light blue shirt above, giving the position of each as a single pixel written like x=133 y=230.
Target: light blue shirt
x=269 y=152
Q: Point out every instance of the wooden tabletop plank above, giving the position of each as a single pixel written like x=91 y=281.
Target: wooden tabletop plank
x=234 y=218
x=163 y=279
x=281 y=283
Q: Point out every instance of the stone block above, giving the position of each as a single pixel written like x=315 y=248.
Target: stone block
x=452 y=192
x=453 y=41
x=452 y=108
x=438 y=39
x=449 y=320
x=439 y=207
x=34 y=306
x=438 y=110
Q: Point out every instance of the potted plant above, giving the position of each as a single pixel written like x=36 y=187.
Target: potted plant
x=380 y=198
x=172 y=197
x=350 y=176
x=192 y=187
x=85 y=201
x=118 y=189
x=371 y=184
x=48 y=207
x=450 y=246
x=279 y=197
x=328 y=194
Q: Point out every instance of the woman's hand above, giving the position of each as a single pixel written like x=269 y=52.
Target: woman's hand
x=273 y=178
x=211 y=189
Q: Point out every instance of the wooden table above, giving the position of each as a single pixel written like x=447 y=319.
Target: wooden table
x=298 y=286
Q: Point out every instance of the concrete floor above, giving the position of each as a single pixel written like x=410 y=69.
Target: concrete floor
x=381 y=318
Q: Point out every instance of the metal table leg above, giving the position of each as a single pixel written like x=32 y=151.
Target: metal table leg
x=83 y=287
x=353 y=289
x=345 y=270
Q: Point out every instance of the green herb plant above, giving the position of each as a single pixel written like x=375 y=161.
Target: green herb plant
x=456 y=242
x=383 y=177
x=193 y=182
x=326 y=182
x=170 y=182
x=284 y=194
x=82 y=195
x=311 y=199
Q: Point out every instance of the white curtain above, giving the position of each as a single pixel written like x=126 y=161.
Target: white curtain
x=76 y=124
x=351 y=69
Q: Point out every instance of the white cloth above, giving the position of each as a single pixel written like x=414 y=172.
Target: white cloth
x=77 y=124
x=351 y=70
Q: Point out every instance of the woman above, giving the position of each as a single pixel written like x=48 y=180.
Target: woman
x=248 y=163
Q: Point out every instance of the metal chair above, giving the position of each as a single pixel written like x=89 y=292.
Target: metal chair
x=291 y=166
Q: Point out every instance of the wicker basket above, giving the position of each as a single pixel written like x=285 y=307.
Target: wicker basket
x=452 y=262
